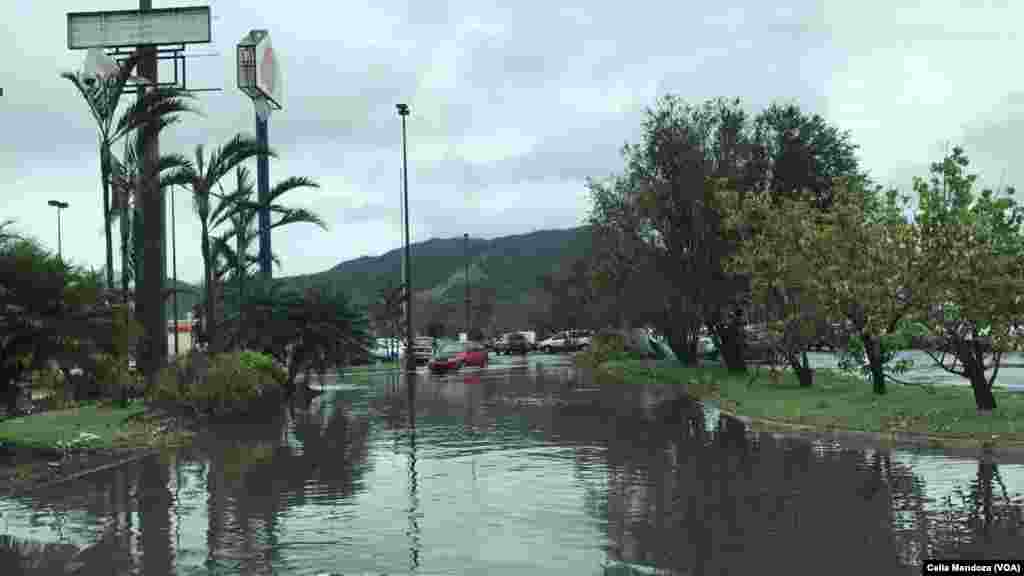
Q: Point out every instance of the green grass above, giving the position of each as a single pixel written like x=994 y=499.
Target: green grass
x=112 y=426
x=840 y=401
x=373 y=367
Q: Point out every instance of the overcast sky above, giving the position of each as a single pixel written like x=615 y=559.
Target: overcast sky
x=513 y=104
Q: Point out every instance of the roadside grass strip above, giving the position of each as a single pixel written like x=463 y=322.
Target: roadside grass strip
x=838 y=401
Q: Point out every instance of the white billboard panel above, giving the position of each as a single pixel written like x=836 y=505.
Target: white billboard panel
x=122 y=28
x=268 y=72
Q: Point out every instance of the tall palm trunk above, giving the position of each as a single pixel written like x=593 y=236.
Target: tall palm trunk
x=208 y=277
x=125 y=223
x=105 y=178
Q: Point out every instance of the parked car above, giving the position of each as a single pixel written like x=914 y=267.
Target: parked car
x=454 y=356
x=387 y=349
x=516 y=343
x=473 y=354
x=558 y=342
x=580 y=339
x=423 y=350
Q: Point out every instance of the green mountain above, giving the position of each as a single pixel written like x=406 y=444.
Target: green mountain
x=510 y=265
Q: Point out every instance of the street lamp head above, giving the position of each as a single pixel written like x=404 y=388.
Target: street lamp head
x=403 y=109
x=58 y=204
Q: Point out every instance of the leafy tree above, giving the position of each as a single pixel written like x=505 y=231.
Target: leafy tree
x=316 y=329
x=971 y=273
x=663 y=207
x=569 y=292
x=796 y=153
x=50 y=310
x=851 y=264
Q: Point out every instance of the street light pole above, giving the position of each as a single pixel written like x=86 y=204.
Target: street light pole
x=59 y=206
x=410 y=356
x=465 y=250
x=174 y=273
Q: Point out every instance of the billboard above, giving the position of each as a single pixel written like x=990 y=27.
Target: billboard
x=268 y=71
x=123 y=28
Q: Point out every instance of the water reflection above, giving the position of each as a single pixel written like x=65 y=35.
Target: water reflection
x=414 y=528
x=522 y=469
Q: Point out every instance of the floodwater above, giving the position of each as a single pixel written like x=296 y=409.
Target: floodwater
x=527 y=467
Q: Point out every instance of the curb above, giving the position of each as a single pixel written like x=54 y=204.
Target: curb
x=964 y=446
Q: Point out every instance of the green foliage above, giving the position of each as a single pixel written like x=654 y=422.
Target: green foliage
x=264 y=364
x=316 y=329
x=853 y=264
x=971 y=270
x=853 y=356
x=233 y=383
x=50 y=310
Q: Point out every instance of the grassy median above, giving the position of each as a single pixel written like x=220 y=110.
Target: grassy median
x=839 y=401
x=92 y=426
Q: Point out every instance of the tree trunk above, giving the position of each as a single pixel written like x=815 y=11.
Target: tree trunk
x=125 y=223
x=730 y=335
x=208 y=277
x=105 y=178
x=973 y=361
x=801 y=367
x=873 y=349
x=10 y=394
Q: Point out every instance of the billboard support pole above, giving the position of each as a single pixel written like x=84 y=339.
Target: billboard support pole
x=263 y=192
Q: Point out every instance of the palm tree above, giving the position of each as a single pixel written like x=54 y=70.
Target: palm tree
x=125 y=179
x=103 y=95
x=201 y=178
x=240 y=259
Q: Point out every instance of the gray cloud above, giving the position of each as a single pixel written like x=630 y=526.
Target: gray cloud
x=513 y=104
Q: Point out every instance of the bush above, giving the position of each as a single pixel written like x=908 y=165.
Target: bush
x=264 y=364
x=113 y=376
x=231 y=384
x=608 y=346
x=52 y=382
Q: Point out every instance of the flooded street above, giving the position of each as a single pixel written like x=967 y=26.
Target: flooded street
x=526 y=467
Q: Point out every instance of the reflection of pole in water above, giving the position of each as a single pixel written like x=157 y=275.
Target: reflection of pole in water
x=414 y=503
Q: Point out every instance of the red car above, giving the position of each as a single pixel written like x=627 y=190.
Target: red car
x=455 y=356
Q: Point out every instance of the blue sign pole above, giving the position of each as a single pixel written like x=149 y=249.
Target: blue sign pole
x=263 y=191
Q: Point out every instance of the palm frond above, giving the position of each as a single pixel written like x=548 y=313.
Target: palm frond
x=289 y=184
x=153 y=105
x=299 y=215
x=238 y=149
x=88 y=94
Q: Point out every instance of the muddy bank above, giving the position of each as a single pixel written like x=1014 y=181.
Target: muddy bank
x=25 y=469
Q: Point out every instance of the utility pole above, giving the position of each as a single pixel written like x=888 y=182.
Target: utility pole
x=410 y=356
x=174 y=272
x=59 y=206
x=465 y=251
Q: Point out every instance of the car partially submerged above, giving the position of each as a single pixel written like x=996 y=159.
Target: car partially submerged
x=456 y=355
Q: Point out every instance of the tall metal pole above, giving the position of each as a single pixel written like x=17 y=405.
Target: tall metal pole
x=465 y=250
x=59 y=206
x=263 y=192
x=174 y=272
x=410 y=356
x=60 y=249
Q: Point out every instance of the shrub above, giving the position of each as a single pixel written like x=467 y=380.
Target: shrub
x=112 y=375
x=51 y=380
x=264 y=364
x=229 y=385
